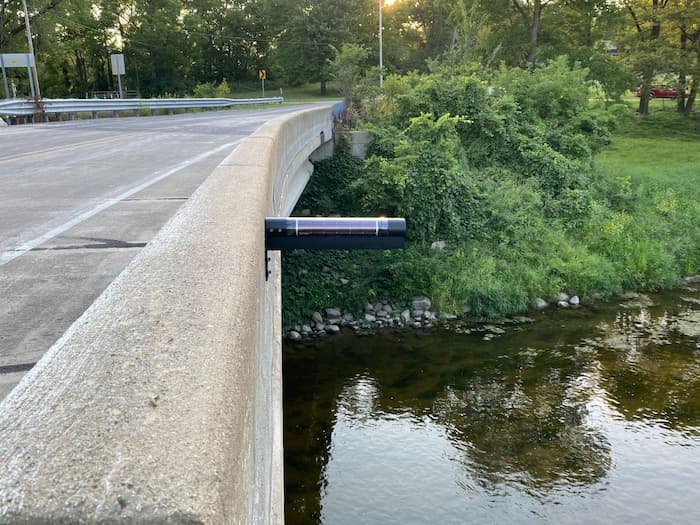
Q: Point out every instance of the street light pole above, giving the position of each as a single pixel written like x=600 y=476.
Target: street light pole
x=31 y=48
x=381 y=53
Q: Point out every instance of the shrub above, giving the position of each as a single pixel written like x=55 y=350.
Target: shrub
x=212 y=90
x=330 y=192
x=502 y=169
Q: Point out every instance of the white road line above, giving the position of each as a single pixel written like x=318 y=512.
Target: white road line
x=9 y=255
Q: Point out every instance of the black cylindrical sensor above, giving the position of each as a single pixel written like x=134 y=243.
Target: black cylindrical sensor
x=334 y=233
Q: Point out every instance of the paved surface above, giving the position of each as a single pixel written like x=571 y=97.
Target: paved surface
x=163 y=402
x=79 y=200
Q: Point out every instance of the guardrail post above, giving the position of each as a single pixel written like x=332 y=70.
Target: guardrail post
x=71 y=116
x=94 y=115
x=115 y=114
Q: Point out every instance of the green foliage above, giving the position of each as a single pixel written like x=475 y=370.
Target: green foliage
x=347 y=67
x=222 y=90
x=310 y=30
x=423 y=180
x=611 y=75
x=502 y=169
x=538 y=123
x=554 y=92
x=174 y=45
x=660 y=236
x=205 y=90
x=212 y=90
x=331 y=192
x=311 y=280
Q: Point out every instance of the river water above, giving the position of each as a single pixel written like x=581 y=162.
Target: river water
x=581 y=416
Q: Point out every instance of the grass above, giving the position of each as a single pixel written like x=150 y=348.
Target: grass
x=660 y=149
x=307 y=93
x=660 y=157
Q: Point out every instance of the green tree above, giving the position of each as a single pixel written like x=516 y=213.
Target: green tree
x=587 y=31
x=227 y=40
x=347 y=67
x=685 y=17
x=79 y=38
x=12 y=17
x=650 y=54
x=470 y=21
x=434 y=19
x=310 y=28
x=13 y=38
x=157 y=48
x=531 y=13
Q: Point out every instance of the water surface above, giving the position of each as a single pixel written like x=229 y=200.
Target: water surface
x=583 y=416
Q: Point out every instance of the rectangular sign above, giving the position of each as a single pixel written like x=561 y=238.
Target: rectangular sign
x=118 y=64
x=17 y=60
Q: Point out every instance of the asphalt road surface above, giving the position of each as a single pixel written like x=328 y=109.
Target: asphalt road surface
x=79 y=200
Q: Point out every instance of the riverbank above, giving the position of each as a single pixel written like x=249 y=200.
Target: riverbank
x=420 y=315
x=493 y=235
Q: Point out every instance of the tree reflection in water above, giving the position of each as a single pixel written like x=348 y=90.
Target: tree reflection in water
x=534 y=435
x=650 y=367
x=519 y=414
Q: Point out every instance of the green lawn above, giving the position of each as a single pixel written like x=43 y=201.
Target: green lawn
x=662 y=148
x=292 y=95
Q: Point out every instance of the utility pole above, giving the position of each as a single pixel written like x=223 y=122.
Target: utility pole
x=31 y=48
x=381 y=53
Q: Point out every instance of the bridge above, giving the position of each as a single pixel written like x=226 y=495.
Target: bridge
x=162 y=401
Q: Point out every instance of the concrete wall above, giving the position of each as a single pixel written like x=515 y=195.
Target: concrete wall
x=162 y=403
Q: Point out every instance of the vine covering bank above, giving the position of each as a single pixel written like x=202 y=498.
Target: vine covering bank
x=506 y=208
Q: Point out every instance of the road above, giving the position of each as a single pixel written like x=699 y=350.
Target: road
x=78 y=202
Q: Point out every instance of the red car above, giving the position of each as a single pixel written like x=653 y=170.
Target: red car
x=661 y=91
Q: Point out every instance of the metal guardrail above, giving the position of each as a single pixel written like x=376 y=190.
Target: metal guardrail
x=25 y=107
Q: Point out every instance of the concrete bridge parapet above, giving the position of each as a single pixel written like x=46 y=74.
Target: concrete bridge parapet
x=162 y=403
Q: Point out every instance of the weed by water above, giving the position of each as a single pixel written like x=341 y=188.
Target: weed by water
x=659 y=155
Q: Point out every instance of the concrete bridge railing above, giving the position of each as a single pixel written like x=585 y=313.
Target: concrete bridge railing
x=162 y=403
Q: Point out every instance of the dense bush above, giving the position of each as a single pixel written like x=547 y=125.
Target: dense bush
x=500 y=166
x=212 y=90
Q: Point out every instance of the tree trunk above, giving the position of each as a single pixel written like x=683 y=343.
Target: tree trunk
x=3 y=21
x=682 y=82
x=453 y=42
x=645 y=92
x=680 y=88
x=648 y=72
x=80 y=65
x=534 y=31
x=691 y=96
